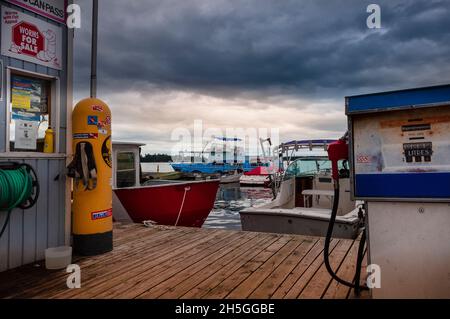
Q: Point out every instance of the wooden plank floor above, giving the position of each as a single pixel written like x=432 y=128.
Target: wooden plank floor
x=167 y=262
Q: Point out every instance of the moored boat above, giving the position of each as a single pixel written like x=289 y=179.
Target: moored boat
x=231 y=178
x=164 y=175
x=259 y=176
x=164 y=202
x=304 y=200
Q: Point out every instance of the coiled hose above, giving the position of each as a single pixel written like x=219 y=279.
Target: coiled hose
x=17 y=189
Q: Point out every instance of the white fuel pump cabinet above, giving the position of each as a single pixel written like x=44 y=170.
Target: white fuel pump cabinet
x=400 y=159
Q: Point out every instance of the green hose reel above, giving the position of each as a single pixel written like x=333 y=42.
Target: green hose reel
x=19 y=188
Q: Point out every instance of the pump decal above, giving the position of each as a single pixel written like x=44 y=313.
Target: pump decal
x=418 y=152
x=97 y=108
x=92 y=120
x=102 y=128
x=106 y=151
x=101 y=214
x=416 y=127
x=85 y=136
x=363 y=159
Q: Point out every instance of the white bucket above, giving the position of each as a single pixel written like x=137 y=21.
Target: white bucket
x=58 y=257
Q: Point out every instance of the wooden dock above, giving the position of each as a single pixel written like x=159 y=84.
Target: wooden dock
x=167 y=262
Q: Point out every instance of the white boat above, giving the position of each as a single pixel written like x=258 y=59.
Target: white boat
x=304 y=202
x=254 y=180
x=230 y=178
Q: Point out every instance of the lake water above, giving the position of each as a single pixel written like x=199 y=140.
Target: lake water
x=231 y=198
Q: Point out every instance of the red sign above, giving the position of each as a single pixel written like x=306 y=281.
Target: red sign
x=363 y=159
x=28 y=37
x=31 y=39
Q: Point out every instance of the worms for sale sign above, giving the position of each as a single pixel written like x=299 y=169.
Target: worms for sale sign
x=30 y=39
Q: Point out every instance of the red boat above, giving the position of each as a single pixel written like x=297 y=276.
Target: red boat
x=259 y=176
x=178 y=203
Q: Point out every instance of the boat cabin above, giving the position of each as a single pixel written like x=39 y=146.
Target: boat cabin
x=312 y=185
x=126 y=164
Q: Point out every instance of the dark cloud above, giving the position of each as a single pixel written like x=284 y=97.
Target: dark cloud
x=302 y=46
x=159 y=56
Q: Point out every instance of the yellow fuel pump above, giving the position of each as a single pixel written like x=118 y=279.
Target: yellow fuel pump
x=91 y=170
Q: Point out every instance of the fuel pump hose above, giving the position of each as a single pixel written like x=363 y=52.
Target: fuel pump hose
x=16 y=188
x=355 y=284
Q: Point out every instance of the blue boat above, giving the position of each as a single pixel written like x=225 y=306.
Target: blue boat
x=215 y=168
x=220 y=158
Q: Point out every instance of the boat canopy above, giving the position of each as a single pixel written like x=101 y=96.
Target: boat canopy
x=258 y=171
x=310 y=142
x=131 y=144
x=303 y=144
x=304 y=148
x=228 y=139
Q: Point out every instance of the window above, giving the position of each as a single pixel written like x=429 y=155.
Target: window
x=310 y=167
x=31 y=110
x=126 y=170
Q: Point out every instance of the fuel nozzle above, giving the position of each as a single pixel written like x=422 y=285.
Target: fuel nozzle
x=337 y=151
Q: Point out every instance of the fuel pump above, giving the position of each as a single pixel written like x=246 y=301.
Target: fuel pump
x=399 y=146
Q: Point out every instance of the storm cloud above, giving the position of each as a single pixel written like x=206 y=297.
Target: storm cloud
x=260 y=63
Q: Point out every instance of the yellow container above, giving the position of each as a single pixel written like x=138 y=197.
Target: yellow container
x=49 y=141
x=92 y=222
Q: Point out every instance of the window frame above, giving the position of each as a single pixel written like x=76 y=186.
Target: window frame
x=137 y=160
x=134 y=169
x=55 y=98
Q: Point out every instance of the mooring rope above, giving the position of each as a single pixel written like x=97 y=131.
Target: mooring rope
x=186 y=189
x=16 y=186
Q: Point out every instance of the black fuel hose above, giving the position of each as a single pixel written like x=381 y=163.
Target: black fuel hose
x=326 y=251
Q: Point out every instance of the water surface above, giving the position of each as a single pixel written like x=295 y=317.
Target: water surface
x=231 y=198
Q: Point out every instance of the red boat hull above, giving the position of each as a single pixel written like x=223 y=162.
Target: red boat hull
x=181 y=204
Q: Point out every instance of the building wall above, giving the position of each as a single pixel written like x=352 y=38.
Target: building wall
x=30 y=232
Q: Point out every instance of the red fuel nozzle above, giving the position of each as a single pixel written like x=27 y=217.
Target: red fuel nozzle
x=337 y=151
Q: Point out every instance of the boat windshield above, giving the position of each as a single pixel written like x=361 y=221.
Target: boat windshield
x=309 y=167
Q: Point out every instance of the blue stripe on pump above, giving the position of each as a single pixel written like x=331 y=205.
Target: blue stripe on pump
x=403 y=185
x=399 y=99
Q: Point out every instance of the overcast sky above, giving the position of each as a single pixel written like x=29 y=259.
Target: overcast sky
x=284 y=64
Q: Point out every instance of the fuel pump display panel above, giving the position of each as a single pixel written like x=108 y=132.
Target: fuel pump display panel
x=402 y=154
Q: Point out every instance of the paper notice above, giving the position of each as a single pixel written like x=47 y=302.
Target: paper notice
x=21 y=99
x=26 y=135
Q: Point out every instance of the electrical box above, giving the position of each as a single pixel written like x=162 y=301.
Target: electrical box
x=400 y=144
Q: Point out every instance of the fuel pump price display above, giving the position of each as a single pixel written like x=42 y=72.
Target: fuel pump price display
x=403 y=142
x=402 y=153
x=418 y=152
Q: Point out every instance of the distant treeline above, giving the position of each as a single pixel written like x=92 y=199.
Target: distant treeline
x=156 y=158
